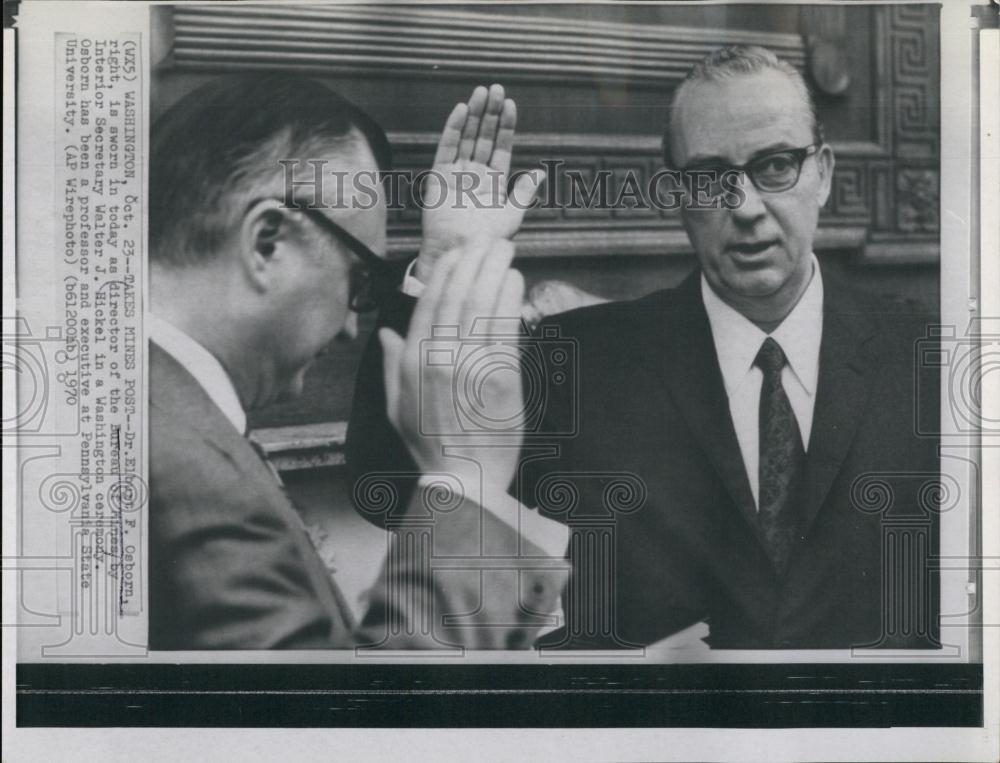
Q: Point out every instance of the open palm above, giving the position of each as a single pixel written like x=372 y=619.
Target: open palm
x=465 y=195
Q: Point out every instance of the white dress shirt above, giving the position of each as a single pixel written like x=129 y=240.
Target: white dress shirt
x=202 y=365
x=737 y=342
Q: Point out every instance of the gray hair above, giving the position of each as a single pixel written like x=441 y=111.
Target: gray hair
x=739 y=61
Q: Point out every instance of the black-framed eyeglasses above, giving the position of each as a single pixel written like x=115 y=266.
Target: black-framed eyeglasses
x=773 y=172
x=373 y=275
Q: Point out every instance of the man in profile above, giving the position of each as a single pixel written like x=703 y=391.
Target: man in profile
x=247 y=287
x=748 y=406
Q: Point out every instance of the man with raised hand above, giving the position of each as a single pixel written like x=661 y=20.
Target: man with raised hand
x=747 y=409
x=247 y=287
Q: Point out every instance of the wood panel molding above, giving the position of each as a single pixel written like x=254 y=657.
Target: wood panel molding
x=887 y=186
x=305 y=446
x=422 y=42
x=569 y=232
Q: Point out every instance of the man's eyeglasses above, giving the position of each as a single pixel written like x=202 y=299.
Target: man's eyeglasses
x=773 y=172
x=371 y=278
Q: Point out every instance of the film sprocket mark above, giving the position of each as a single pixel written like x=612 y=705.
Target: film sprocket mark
x=548 y=362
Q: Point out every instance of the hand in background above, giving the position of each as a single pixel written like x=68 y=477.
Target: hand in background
x=441 y=387
x=466 y=194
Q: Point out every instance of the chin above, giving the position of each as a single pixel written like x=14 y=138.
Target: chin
x=759 y=284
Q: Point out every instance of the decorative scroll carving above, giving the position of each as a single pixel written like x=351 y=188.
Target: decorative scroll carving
x=900 y=176
x=426 y=42
x=917 y=200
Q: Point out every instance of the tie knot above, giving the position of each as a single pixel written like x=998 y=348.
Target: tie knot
x=770 y=358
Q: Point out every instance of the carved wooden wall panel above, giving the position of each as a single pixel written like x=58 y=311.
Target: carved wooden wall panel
x=885 y=198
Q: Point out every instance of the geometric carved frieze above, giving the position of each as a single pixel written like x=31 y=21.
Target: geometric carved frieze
x=850 y=197
x=913 y=46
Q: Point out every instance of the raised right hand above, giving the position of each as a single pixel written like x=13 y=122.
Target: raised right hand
x=465 y=195
x=445 y=383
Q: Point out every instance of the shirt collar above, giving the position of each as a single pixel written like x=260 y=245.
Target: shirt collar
x=737 y=339
x=202 y=365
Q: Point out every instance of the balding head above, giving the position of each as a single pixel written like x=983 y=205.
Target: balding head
x=222 y=143
x=729 y=63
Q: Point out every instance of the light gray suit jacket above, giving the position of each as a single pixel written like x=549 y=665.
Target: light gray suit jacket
x=231 y=566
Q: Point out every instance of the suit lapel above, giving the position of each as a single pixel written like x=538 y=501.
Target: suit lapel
x=690 y=370
x=174 y=390
x=848 y=366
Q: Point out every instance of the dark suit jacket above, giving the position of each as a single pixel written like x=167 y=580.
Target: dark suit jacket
x=648 y=400
x=231 y=566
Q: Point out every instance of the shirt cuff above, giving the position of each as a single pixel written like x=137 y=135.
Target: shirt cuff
x=411 y=286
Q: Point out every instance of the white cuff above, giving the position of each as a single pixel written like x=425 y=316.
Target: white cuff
x=411 y=286
x=550 y=536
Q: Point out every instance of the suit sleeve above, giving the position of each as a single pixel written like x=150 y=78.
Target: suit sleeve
x=418 y=605
x=374 y=450
x=460 y=577
x=226 y=570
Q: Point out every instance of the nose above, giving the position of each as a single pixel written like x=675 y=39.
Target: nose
x=752 y=208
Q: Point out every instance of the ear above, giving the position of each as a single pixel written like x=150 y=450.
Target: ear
x=264 y=233
x=825 y=163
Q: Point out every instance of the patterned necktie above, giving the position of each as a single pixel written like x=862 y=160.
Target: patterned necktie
x=782 y=458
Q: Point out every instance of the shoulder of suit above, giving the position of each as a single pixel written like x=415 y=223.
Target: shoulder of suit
x=197 y=487
x=897 y=325
x=611 y=317
x=894 y=314
x=179 y=453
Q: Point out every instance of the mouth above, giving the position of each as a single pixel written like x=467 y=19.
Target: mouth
x=751 y=248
